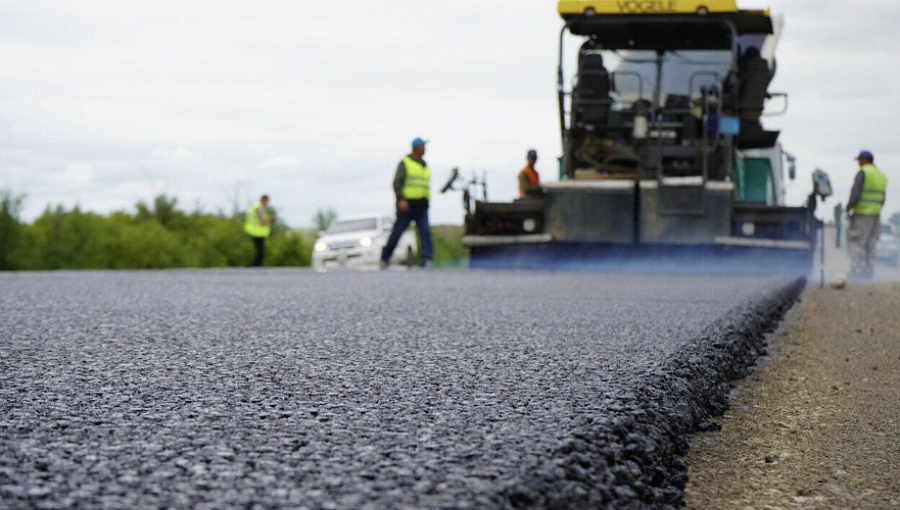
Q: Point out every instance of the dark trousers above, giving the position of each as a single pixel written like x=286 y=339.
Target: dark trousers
x=404 y=218
x=260 y=244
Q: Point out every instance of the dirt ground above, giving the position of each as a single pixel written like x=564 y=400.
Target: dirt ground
x=818 y=424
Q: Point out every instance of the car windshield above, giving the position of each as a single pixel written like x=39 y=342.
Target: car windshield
x=343 y=227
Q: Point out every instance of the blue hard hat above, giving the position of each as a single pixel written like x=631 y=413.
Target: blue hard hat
x=417 y=142
x=865 y=155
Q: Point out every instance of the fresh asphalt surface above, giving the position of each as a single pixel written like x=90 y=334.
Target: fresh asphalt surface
x=395 y=389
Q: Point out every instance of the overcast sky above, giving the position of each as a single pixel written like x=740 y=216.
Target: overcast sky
x=104 y=103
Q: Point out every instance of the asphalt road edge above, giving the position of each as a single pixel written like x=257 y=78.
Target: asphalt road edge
x=629 y=454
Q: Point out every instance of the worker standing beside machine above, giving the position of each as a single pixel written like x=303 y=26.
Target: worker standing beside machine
x=529 y=180
x=865 y=204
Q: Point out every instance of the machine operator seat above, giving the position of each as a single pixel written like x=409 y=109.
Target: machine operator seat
x=592 y=99
x=755 y=76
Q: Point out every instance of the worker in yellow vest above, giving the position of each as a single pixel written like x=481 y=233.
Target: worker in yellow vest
x=258 y=225
x=412 y=187
x=864 y=207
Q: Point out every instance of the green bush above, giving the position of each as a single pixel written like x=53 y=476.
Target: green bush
x=10 y=230
x=448 y=248
x=288 y=249
x=69 y=240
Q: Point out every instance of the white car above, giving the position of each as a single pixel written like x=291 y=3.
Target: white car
x=888 y=248
x=357 y=242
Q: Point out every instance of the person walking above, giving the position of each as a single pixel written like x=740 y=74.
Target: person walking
x=412 y=188
x=258 y=225
x=529 y=180
x=865 y=204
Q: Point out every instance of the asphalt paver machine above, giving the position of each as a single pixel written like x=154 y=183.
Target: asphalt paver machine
x=665 y=159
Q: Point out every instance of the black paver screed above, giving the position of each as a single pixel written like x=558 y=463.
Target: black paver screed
x=396 y=389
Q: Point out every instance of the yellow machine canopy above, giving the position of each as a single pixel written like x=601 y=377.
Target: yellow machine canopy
x=601 y=7
x=662 y=24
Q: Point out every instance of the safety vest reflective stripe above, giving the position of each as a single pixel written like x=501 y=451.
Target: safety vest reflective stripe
x=418 y=180
x=871 y=199
x=252 y=225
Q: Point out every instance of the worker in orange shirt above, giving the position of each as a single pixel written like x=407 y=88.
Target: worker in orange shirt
x=529 y=180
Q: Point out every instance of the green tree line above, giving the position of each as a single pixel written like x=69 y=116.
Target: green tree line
x=158 y=235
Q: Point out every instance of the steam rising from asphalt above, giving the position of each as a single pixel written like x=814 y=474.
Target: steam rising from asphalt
x=684 y=260
x=664 y=260
x=837 y=261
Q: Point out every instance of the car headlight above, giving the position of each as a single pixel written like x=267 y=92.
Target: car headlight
x=321 y=246
x=365 y=242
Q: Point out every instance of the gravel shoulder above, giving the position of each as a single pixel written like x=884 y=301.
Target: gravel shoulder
x=817 y=424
